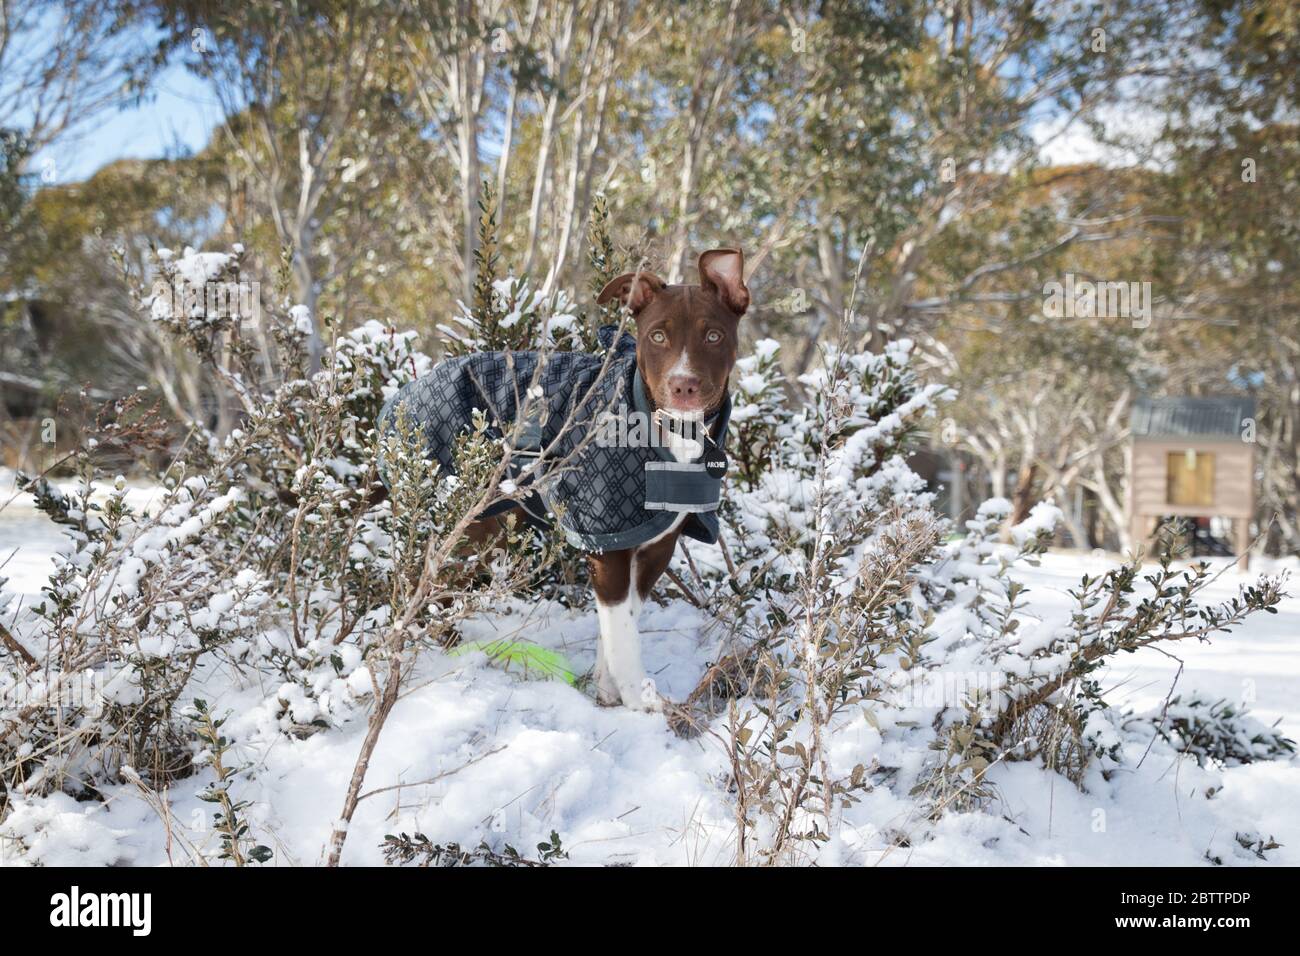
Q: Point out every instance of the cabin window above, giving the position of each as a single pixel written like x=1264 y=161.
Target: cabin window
x=1190 y=478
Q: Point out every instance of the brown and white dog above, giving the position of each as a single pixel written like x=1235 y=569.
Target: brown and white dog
x=686 y=342
x=687 y=336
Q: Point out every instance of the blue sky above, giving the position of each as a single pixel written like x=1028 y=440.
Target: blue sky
x=177 y=117
x=180 y=112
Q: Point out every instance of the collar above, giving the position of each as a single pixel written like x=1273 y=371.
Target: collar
x=716 y=423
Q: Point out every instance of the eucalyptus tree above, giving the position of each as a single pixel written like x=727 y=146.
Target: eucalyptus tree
x=305 y=91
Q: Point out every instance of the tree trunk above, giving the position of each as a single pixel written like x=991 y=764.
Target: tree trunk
x=1022 y=500
x=1115 y=513
x=469 y=189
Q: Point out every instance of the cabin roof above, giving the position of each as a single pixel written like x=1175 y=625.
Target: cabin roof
x=1211 y=418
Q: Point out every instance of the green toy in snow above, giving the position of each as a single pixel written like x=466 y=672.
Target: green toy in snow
x=523 y=657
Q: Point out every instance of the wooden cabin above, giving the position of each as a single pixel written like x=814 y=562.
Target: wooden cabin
x=1192 y=458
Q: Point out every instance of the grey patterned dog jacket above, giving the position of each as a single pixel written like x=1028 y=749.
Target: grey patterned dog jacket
x=606 y=496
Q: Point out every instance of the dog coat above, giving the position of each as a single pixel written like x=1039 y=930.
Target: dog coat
x=606 y=496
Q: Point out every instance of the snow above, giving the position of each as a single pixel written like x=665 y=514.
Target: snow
x=1043 y=516
x=301 y=316
x=474 y=753
x=198 y=268
x=1260 y=663
x=58 y=831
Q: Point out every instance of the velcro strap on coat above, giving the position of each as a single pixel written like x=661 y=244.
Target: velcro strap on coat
x=527 y=445
x=680 y=486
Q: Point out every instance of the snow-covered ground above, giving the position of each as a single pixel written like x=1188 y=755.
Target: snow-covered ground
x=472 y=753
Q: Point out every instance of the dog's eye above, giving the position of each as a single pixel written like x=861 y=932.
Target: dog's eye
x=713 y=337
x=658 y=337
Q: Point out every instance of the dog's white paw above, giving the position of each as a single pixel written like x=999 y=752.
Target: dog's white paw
x=643 y=696
x=607 y=692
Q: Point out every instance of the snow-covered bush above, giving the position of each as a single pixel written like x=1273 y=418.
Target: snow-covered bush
x=758 y=401
x=265 y=552
x=507 y=313
x=267 y=555
x=128 y=613
x=1212 y=729
x=842 y=605
x=516 y=317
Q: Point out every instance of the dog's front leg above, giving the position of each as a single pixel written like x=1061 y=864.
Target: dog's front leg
x=620 y=675
x=606 y=689
x=621 y=645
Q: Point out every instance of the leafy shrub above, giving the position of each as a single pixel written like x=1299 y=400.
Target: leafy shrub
x=267 y=552
x=1215 y=730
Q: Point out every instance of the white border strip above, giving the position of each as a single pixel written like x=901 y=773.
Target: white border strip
x=674 y=466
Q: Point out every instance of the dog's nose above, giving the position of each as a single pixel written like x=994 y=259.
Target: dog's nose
x=684 y=386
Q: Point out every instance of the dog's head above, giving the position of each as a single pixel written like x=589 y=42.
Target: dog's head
x=686 y=335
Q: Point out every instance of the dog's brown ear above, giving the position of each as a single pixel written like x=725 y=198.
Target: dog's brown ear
x=633 y=289
x=722 y=272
